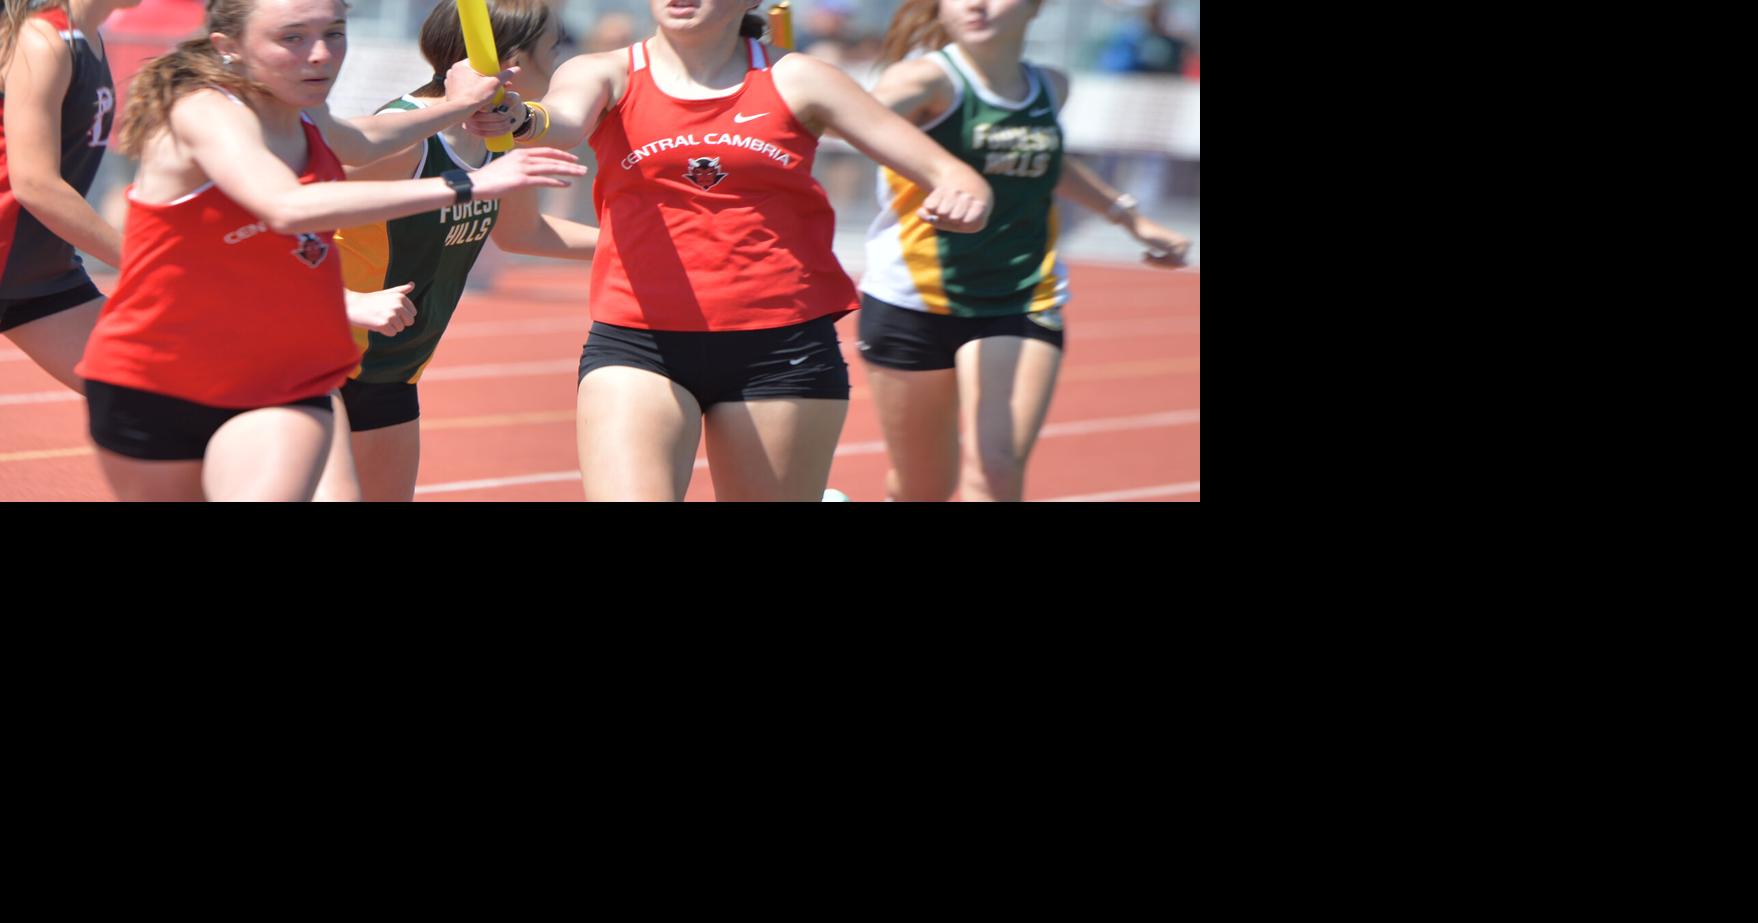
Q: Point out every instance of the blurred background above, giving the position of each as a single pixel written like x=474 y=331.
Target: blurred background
x=1134 y=113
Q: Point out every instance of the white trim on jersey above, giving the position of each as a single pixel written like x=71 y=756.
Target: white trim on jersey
x=446 y=145
x=888 y=275
x=639 y=50
x=204 y=187
x=957 y=96
x=1034 y=85
x=421 y=164
x=1049 y=88
x=453 y=153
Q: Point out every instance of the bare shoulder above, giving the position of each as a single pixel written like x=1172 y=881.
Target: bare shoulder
x=211 y=102
x=919 y=74
x=590 y=68
x=40 y=46
x=39 y=33
x=794 y=66
x=603 y=76
x=918 y=89
x=168 y=166
x=817 y=91
x=812 y=80
x=207 y=111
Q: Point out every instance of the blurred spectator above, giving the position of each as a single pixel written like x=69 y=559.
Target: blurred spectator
x=1161 y=39
x=825 y=32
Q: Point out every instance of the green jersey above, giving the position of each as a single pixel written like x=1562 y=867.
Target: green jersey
x=434 y=250
x=1011 y=267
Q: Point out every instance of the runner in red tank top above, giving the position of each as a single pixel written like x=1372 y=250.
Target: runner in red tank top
x=715 y=291
x=209 y=370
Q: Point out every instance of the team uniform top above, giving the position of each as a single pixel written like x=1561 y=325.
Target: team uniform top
x=434 y=250
x=33 y=261
x=1010 y=267
x=709 y=218
x=215 y=308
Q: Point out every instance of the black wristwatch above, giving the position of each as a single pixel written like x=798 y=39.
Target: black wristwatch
x=460 y=183
x=524 y=126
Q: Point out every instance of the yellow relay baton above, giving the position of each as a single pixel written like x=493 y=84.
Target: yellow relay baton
x=479 y=42
x=781 y=26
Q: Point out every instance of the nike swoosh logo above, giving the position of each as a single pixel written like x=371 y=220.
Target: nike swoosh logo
x=1045 y=111
x=798 y=361
x=742 y=119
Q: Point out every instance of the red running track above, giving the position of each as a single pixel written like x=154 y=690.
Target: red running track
x=498 y=401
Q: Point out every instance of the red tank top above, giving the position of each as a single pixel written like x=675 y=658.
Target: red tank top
x=215 y=308
x=709 y=218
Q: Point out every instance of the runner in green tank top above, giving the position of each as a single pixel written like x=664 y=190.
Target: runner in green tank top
x=433 y=252
x=967 y=329
x=1010 y=268
x=405 y=277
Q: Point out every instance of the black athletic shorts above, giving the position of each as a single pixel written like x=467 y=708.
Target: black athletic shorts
x=155 y=427
x=916 y=341
x=16 y=312
x=376 y=405
x=804 y=360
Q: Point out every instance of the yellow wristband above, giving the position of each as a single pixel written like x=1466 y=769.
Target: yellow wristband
x=526 y=125
x=538 y=135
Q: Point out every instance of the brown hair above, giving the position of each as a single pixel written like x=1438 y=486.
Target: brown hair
x=191 y=66
x=916 y=25
x=17 y=12
x=518 y=26
x=753 y=26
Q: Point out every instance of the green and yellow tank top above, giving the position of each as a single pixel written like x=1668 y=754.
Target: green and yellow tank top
x=435 y=250
x=1011 y=267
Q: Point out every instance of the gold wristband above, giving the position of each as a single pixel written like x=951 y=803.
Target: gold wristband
x=538 y=135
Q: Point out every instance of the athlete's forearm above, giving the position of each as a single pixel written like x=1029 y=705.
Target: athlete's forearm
x=556 y=238
x=328 y=206
x=1079 y=184
x=388 y=133
x=69 y=216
